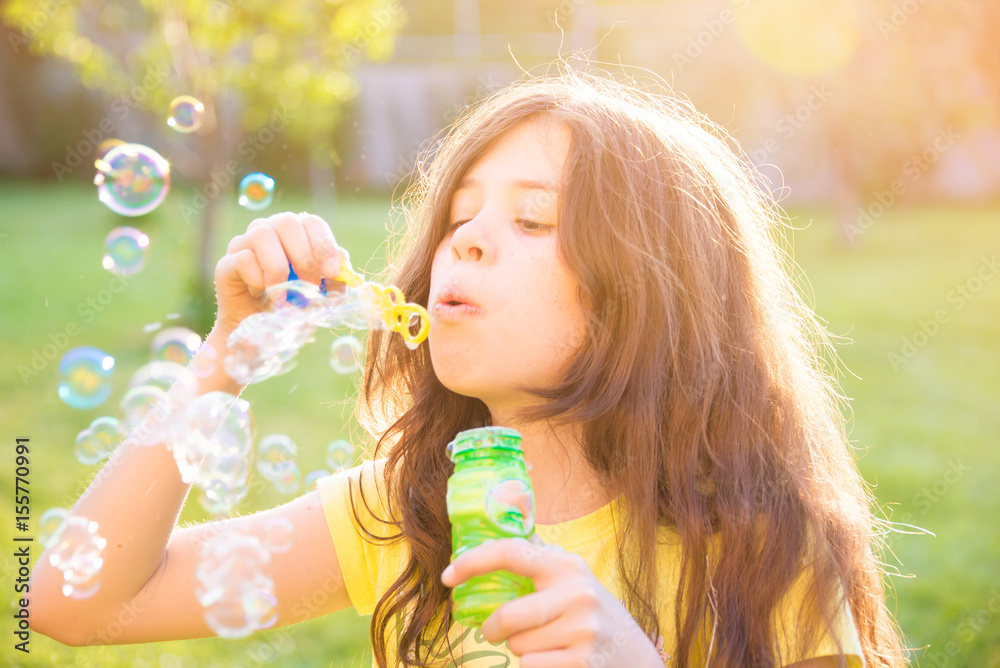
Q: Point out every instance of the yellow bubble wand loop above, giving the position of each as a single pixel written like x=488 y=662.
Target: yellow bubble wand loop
x=394 y=310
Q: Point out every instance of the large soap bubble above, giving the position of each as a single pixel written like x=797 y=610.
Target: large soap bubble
x=132 y=179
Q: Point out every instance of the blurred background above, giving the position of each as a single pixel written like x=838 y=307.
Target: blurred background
x=876 y=124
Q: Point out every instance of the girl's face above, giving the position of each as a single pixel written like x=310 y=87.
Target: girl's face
x=504 y=310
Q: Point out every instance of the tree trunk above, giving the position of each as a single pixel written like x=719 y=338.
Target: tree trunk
x=203 y=289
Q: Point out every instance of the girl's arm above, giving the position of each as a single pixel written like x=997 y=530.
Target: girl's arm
x=147 y=581
x=147 y=590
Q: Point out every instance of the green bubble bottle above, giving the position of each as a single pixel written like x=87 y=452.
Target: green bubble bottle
x=489 y=496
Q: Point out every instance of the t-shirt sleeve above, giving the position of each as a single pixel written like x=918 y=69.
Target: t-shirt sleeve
x=788 y=620
x=366 y=564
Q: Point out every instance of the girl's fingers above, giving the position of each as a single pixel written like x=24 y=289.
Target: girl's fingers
x=325 y=250
x=298 y=248
x=240 y=267
x=537 y=617
x=517 y=555
x=266 y=245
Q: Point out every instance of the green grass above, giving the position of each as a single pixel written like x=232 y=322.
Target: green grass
x=911 y=425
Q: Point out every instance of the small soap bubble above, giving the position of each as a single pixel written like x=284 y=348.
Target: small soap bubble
x=340 y=454
x=275 y=453
x=289 y=479
x=76 y=551
x=186 y=114
x=83 y=377
x=510 y=505
x=137 y=403
x=98 y=441
x=132 y=179
x=220 y=497
x=256 y=191
x=313 y=476
x=50 y=524
x=152 y=327
x=346 y=354
x=278 y=534
x=125 y=251
x=261 y=608
x=175 y=344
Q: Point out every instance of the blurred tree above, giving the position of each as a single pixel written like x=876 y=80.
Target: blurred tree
x=922 y=77
x=261 y=67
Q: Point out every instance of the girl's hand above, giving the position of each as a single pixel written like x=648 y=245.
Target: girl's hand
x=570 y=620
x=259 y=258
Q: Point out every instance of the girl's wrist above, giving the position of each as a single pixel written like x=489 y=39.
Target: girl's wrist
x=208 y=363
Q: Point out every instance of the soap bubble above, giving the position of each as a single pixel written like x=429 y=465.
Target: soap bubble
x=510 y=505
x=265 y=345
x=346 y=354
x=233 y=583
x=175 y=344
x=256 y=191
x=278 y=534
x=137 y=403
x=76 y=551
x=212 y=430
x=275 y=453
x=220 y=498
x=186 y=114
x=339 y=454
x=83 y=377
x=125 y=250
x=166 y=376
x=313 y=476
x=261 y=608
x=132 y=179
x=98 y=441
x=289 y=479
x=50 y=524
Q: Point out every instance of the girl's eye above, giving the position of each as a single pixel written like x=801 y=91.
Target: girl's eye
x=532 y=226
x=454 y=226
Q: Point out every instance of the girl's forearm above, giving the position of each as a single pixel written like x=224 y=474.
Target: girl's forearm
x=135 y=499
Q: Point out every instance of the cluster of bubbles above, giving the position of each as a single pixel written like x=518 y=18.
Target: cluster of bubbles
x=132 y=179
x=233 y=581
x=265 y=344
x=125 y=250
x=84 y=377
x=256 y=191
x=75 y=548
x=212 y=441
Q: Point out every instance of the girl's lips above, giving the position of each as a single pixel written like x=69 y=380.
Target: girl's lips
x=454 y=311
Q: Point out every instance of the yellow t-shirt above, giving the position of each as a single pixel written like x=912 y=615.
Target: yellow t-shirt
x=370 y=568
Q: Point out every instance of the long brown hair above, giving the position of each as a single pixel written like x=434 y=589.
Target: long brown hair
x=704 y=388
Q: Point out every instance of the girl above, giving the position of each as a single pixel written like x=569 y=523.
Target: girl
x=599 y=273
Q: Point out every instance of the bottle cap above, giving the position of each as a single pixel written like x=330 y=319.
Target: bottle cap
x=484 y=437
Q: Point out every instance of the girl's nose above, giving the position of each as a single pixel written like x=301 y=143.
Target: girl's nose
x=472 y=240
